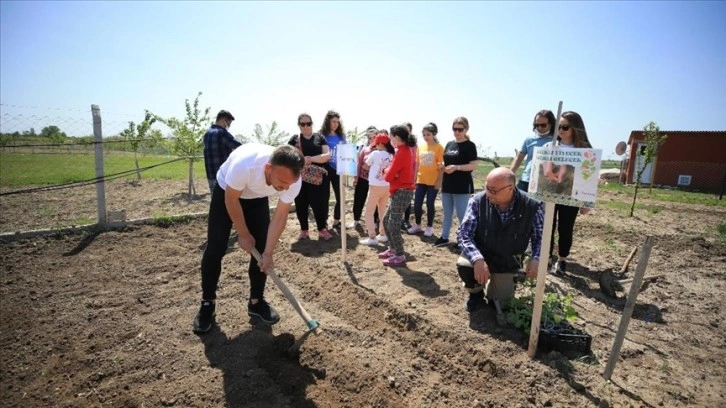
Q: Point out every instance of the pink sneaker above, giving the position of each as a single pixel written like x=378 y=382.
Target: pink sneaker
x=325 y=234
x=387 y=253
x=303 y=235
x=395 y=260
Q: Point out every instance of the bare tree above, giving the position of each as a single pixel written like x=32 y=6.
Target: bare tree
x=653 y=141
x=272 y=137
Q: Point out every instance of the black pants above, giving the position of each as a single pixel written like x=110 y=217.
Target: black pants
x=315 y=198
x=335 y=182
x=257 y=217
x=565 y=216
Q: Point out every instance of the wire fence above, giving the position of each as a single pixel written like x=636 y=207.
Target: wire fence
x=49 y=172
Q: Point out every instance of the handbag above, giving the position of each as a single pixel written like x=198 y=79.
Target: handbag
x=311 y=173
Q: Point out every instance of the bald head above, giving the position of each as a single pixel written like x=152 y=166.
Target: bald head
x=501 y=176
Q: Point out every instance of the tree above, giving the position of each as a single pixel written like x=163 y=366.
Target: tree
x=53 y=133
x=653 y=141
x=188 y=134
x=273 y=137
x=136 y=135
x=354 y=135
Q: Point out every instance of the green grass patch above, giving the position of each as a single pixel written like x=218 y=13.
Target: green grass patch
x=663 y=194
x=721 y=228
x=18 y=170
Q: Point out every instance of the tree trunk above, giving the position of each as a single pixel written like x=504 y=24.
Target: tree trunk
x=138 y=172
x=191 y=179
x=632 y=207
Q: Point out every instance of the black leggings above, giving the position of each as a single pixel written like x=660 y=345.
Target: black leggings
x=316 y=198
x=335 y=182
x=565 y=216
x=257 y=217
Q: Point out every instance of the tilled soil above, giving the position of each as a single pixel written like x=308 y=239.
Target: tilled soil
x=104 y=319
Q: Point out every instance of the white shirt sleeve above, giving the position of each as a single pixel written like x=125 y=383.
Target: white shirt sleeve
x=288 y=196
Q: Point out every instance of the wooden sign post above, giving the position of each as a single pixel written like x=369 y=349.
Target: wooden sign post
x=346 y=157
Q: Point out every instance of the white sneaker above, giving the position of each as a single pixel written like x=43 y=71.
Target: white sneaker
x=429 y=232
x=415 y=229
x=369 y=241
x=382 y=238
x=353 y=224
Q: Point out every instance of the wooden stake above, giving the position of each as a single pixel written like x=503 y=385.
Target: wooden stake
x=343 y=222
x=627 y=261
x=629 y=307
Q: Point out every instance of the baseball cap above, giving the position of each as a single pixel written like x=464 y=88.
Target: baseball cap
x=381 y=138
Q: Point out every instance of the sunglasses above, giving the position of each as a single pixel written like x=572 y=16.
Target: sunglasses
x=305 y=124
x=458 y=129
x=493 y=192
x=564 y=127
x=542 y=125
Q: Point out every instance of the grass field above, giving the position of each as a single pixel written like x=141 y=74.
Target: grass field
x=19 y=170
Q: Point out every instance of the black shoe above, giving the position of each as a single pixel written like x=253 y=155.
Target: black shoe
x=405 y=225
x=441 y=242
x=264 y=311
x=205 y=317
x=559 y=268
x=474 y=301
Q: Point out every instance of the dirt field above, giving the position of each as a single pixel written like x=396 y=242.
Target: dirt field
x=104 y=319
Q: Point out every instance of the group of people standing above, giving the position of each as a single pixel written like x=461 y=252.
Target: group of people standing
x=393 y=169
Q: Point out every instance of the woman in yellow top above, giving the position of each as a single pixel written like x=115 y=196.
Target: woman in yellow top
x=428 y=180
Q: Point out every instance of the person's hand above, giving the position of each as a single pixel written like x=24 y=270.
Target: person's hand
x=481 y=272
x=246 y=242
x=532 y=269
x=355 y=181
x=267 y=262
x=450 y=169
x=308 y=160
x=548 y=172
x=584 y=211
x=561 y=174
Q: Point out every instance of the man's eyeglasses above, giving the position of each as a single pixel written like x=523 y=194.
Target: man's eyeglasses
x=564 y=127
x=494 y=192
x=456 y=129
x=305 y=124
x=541 y=125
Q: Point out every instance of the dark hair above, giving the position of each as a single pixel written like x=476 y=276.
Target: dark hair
x=383 y=131
x=402 y=132
x=325 y=129
x=409 y=126
x=551 y=120
x=389 y=147
x=223 y=114
x=431 y=127
x=289 y=157
x=579 y=138
x=303 y=115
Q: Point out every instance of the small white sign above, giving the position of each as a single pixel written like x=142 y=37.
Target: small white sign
x=347 y=159
x=565 y=175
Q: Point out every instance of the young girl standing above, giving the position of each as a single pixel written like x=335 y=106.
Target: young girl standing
x=379 y=160
x=400 y=177
x=428 y=180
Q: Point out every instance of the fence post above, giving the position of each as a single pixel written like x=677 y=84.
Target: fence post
x=100 y=186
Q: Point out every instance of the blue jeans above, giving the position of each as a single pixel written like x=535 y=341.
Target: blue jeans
x=451 y=202
x=422 y=190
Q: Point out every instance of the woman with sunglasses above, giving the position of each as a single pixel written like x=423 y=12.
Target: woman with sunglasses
x=457 y=185
x=571 y=134
x=333 y=131
x=317 y=152
x=544 y=129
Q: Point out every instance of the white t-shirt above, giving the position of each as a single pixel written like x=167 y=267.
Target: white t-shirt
x=378 y=161
x=244 y=170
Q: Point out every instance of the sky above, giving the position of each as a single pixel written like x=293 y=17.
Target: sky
x=619 y=64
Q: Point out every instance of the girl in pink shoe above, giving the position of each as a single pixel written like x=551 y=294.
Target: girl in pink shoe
x=379 y=160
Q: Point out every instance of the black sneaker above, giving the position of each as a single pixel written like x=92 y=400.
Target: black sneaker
x=474 y=301
x=264 y=311
x=205 y=317
x=441 y=242
x=559 y=268
x=405 y=225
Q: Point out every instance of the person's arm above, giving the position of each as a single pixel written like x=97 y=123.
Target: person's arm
x=274 y=232
x=234 y=209
x=517 y=161
x=465 y=238
x=536 y=241
x=323 y=157
x=398 y=163
x=229 y=141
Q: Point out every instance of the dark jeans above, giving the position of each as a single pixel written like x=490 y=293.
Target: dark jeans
x=257 y=217
x=429 y=192
x=523 y=185
x=316 y=198
x=565 y=216
x=335 y=182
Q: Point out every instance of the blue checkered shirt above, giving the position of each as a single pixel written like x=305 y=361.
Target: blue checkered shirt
x=218 y=144
x=468 y=227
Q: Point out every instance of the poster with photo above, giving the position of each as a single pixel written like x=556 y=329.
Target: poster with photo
x=565 y=175
x=347 y=159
